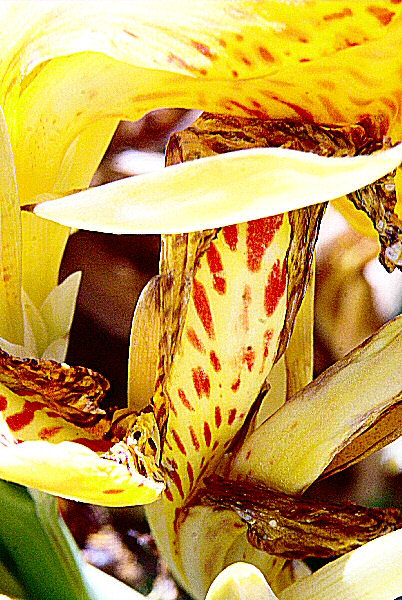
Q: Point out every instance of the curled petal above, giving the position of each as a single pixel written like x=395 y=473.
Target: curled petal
x=258 y=183
x=73 y=471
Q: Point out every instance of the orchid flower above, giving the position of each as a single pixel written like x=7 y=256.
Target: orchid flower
x=208 y=330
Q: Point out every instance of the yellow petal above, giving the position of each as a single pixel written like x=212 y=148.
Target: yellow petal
x=73 y=471
x=240 y=581
x=43 y=245
x=371 y=572
x=307 y=432
x=128 y=58
x=11 y=317
x=192 y=196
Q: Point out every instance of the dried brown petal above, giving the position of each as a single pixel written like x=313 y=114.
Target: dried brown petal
x=292 y=527
x=378 y=201
x=72 y=392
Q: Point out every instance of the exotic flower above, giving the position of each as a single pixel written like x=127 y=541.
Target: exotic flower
x=320 y=83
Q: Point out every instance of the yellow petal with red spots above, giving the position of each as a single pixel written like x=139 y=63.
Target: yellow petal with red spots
x=218 y=190
x=63 y=70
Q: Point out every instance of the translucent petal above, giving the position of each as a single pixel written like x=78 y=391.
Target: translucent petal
x=218 y=190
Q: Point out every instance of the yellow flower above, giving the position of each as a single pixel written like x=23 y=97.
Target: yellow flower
x=68 y=76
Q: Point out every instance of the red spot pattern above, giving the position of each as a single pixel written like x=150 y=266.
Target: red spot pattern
x=339 y=15
x=218 y=416
x=179 y=443
x=48 y=432
x=195 y=340
x=52 y=414
x=249 y=358
x=260 y=234
x=201 y=382
x=113 y=491
x=216 y=444
x=236 y=385
x=203 y=308
x=231 y=236
x=190 y=474
x=248 y=454
x=203 y=49
x=20 y=420
x=232 y=416
x=184 y=400
x=275 y=287
x=3 y=403
x=383 y=15
x=267 y=340
x=207 y=434
x=266 y=55
x=250 y=111
x=216 y=267
x=194 y=439
x=215 y=361
x=94 y=445
x=169 y=495
x=175 y=477
x=161 y=411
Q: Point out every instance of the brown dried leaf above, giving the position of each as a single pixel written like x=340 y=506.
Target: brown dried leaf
x=73 y=393
x=381 y=433
x=378 y=201
x=292 y=527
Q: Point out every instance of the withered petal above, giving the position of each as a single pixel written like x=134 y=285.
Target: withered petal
x=72 y=392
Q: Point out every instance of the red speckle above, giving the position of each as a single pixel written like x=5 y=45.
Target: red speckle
x=222 y=43
x=304 y=60
x=20 y=420
x=235 y=74
x=383 y=15
x=203 y=308
x=190 y=474
x=161 y=411
x=248 y=454
x=169 y=495
x=201 y=382
x=267 y=340
x=218 y=416
x=246 y=61
x=249 y=357
x=175 y=477
x=216 y=267
x=260 y=114
x=184 y=400
x=195 y=340
x=239 y=37
x=215 y=361
x=52 y=414
x=94 y=445
x=231 y=236
x=236 y=385
x=275 y=287
x=161 y=414
x=194 y=438
x=232 y=416
x=48 y=432
x=216 y=444
x=3 y=403
x=203 y=49
x=177 y=514
x=256 y=104
x=260 y=234
x=239 y=526
x=179 y=443
x=340 y=15
x=304 y=114
x=113 y=491
x=177 y=60
x=266 y=55
x=207 y=434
